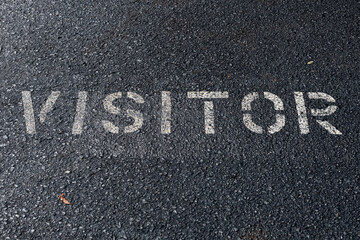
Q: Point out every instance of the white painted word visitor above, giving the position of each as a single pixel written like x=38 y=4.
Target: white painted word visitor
x=165 y=128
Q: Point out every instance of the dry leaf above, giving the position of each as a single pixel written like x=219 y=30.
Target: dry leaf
x=311 y=62
x=63 y=199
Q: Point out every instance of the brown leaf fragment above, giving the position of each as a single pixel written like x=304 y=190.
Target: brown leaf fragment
x=63 y=199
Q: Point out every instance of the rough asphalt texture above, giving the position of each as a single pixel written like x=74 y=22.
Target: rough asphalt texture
x=233 y=185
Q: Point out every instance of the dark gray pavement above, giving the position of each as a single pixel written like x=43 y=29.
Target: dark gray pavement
x=234 y=184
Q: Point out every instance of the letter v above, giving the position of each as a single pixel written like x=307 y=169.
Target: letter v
x=29 y=110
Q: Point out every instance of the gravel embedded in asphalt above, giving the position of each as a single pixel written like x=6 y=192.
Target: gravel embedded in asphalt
x=233 y=184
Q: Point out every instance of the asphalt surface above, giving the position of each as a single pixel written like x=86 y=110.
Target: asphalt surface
x=234 y=184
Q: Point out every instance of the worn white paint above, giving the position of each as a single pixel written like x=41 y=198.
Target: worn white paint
x=110 y=127
x=322 y=96
x=278 y=125
x=108 y=103
x=247 y=100
x=28 y=112
x=80 y=113
x=165 y=112
x=48 y=106
x=330 y=128
x=324 y=112
x=206 y=94
x=278 y=106
x=138 y=121
x=136 y=115
x=208 y=107
x=249 y=123
x=136 y=97
x=29 y=109
x=209 y=117
x=301 y=111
